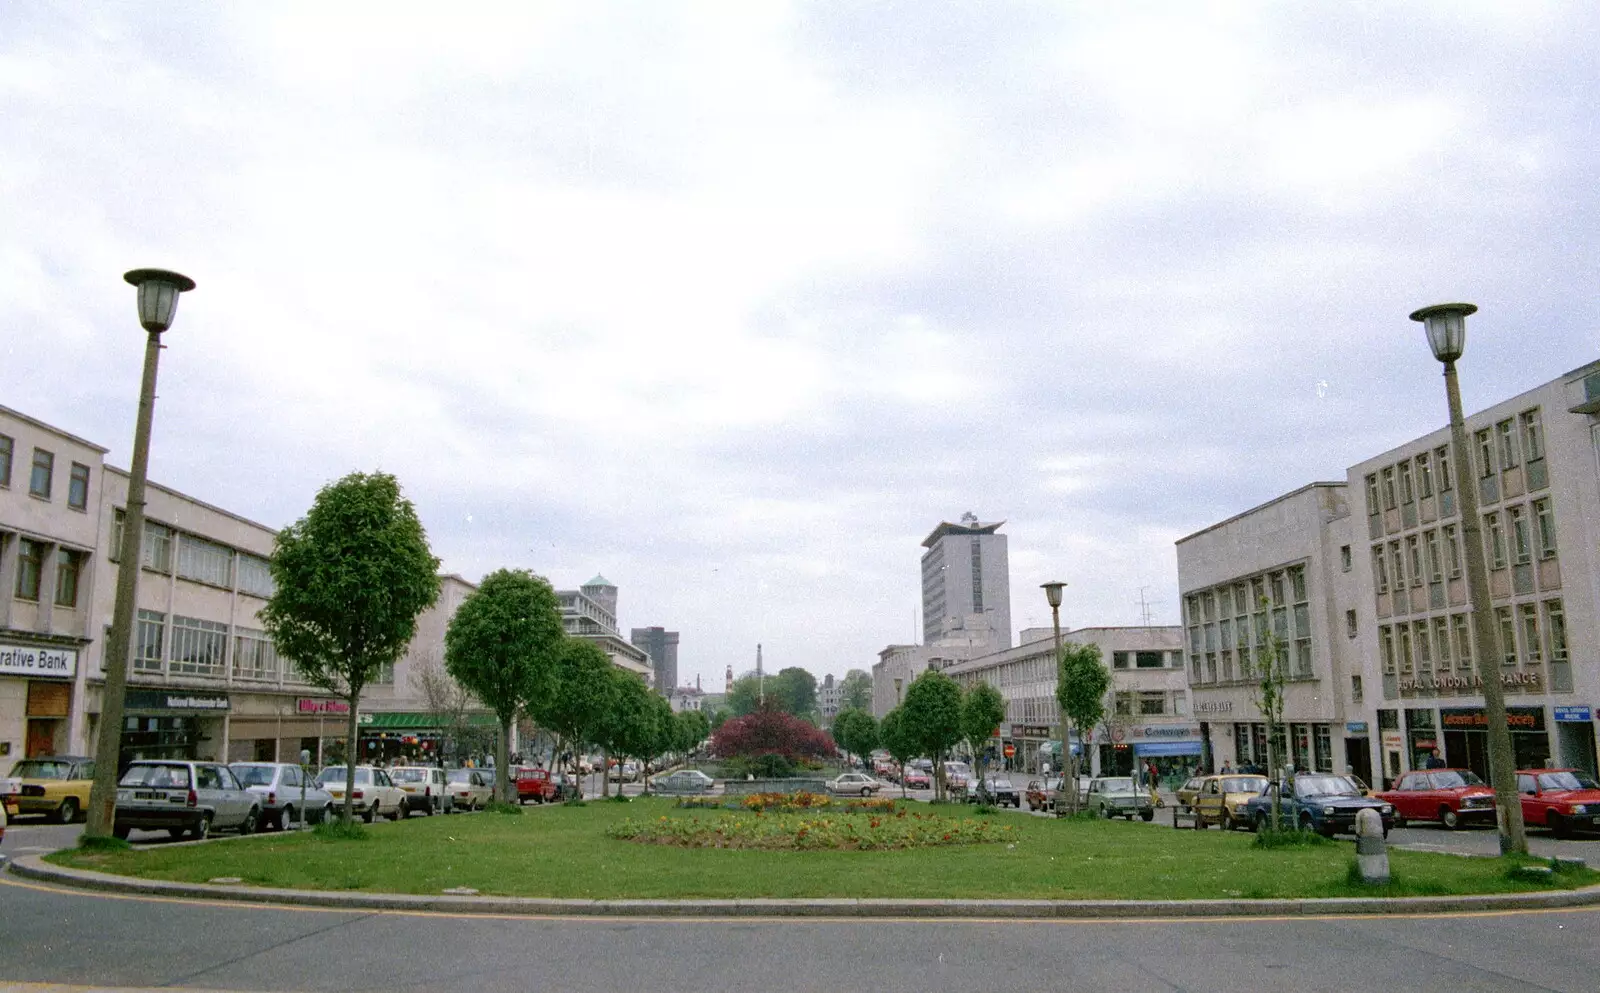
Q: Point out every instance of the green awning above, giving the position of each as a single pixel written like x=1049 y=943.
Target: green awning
x=401 y=720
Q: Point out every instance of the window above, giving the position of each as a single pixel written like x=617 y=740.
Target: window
x=7 y=448
x=1388 y=488
x=198 y=646
x=1149 y=660
x=1435 y=557
x=1528 y=614
x=1119 y=660
x=1521 y=546
x=1350 y=623
x=1344 y=558
x=1495 y=540
x=1555 y=624
x=1355 y=689
x=1508 y=635
x=1545 y=521
x=1372 y=493
x=66 y=578
x=1506 y=443
x=30 y=567
x=78 y=487
x=1532 y=435
x=1424 y=476
x=1152 y=703
x=1407 y=495
x=254 y=656
x=1452 y=550
x=1386 y=648
x=255 y=576
x=147 y=645
x=1442 y=456
x=1485 y=453
x=1419 y=632
x=1297 y=584
x=1463 y=641
x=1403 y=631
x=1397 y=567
x=1380 y=570
x=44 y=466
x=1124 y=703
x=205 y=561
x=157 y=548
x=1414 y=558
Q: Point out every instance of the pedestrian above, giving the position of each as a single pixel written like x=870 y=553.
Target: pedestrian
x=1227 y=770
x=1434 y=761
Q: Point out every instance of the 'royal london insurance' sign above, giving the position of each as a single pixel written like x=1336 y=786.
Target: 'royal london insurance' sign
x=19 y=660
x=1446 y=683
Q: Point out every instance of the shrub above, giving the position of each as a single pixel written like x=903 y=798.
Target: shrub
x=339 y=829
x=1289 y=839
x=102 y=843
x=813 y=830
x=501 y=807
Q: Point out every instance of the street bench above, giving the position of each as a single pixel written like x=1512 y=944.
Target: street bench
x=1182 y=815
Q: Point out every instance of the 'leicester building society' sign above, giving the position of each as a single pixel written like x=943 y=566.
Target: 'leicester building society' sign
x=16 y=660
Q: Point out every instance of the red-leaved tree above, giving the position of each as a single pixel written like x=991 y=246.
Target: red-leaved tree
x=771 y=732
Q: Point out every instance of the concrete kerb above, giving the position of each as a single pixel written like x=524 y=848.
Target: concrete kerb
x=35 y=868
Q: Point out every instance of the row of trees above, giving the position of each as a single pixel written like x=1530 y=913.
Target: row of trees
x=353 y=575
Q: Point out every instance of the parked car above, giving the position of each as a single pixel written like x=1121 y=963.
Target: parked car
x=278 y=787
x=1222 y=799
x=957 y=775
x=624 y=772
x=1119 y=796
x=425 y=787
x=1038 y=792
x=1563 y=800
x=185 y=797
x=537 y=785
x=1000 y=792
x=684 y=781
x=470 y=789
x=1452 y=797
x=1190 y=789
x=1318 y=801
x=56 y=786
x=374 y=793
x=853 y=784
x=917 y=779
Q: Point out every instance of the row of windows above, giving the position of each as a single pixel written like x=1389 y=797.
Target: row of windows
x=1152 y=703
x=1527 y=633
x=196 y=558
x=1497 y=449
x=1434 y=553
x=1144 y=660
x=41 y=476
x=1231 y=625
x=30 y=573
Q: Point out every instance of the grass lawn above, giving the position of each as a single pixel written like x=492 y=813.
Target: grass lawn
x=562 y=852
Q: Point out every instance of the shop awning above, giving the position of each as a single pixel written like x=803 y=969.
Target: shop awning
x=1166 y=748
x=401 y=720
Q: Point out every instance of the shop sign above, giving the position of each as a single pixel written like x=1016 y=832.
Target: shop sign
x=1214 y=707
x=1474 y=718
x=308 y=705
x=175 y=700
x=1393 y=741
x=1030 y=731
x=1151 y=731
x=1355 y=727
x=363 y=718
x=33 y=660
x=1436 y=684
x=1579 y=715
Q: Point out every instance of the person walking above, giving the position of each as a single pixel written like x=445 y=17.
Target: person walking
x=1227 y=770
x=1434 y=760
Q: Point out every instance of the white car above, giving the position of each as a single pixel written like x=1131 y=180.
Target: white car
x=854 y=784
x=375 y=794
x=278 y=784
x=470 y=789
x=425 y=787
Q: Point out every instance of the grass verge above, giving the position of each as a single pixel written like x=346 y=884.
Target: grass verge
x=564 y=852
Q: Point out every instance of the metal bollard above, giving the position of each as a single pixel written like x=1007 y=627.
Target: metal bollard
x=1372 y=854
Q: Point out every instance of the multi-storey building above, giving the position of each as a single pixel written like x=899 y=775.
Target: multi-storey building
x=1147 y=706
x=966 y=584
x=828 y=696
x=686 y=698
x=898 y=665
x=661 y=646
x=590 y=612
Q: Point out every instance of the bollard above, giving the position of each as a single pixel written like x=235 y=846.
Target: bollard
x=1372 y=855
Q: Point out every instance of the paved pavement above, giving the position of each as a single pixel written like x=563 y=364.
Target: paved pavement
x=49 y=936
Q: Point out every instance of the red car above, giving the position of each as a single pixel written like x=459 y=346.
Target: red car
x=1563 y=800
x=1452 y=797
x=916 y=779
x=536 y=785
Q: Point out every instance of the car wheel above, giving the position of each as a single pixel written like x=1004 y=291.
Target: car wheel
x=401 y=811
x=1147 y=816
x=1227 y=821
x=202 y=830
x=1449 y=818
x=865 y=793
x=1105 y=812
x=1305 y=823
x=371 y=813
x=1399 y=820
x=250 y=822
x=1558 y=825
x=68 y=811
x=326 y=815
x=119 y=832
x=1259 y=824
x=285 y=819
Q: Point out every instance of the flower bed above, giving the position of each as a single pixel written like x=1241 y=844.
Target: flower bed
x=788 y=803
x=846 y=831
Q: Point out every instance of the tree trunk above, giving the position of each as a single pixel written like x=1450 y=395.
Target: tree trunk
x=605 y=774
x=502 y=762
x=350 y=758
x=903 y=793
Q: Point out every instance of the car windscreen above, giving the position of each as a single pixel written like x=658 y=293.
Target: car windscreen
x=1324 y=786
x=1115 y=785
x=254 y=775
x=1243 y=784
x=1565 y=781
x=461 y=776
x=408 y=775
x=335 y=775
x=1451 y=780
x=41 y=769
x=161 y=776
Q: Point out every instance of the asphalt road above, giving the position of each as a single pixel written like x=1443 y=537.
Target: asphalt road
x=49 y=936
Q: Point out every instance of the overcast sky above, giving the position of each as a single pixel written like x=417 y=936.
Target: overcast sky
x=733 y=303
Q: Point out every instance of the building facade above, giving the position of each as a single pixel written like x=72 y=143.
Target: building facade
x=590 y=612
x=966 y=585
x=829 y=693
x=661 y=646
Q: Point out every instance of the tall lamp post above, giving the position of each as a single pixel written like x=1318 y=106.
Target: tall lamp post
x=1052 y=593
x=158 y=302
x=1446 y=324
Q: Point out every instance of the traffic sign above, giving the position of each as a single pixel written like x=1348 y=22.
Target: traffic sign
x=1011 y=751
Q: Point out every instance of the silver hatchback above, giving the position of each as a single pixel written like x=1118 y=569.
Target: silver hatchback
x=286 y=792
x=185 y=797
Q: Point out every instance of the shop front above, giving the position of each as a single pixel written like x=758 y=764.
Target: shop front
x=174 y=724
x=277 y=728
x=402 y=737
x=1466 y=738
x=35 y=699
x=1575 y=738
x=1176 y=750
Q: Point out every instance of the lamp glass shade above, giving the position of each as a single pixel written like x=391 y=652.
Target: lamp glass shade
x=1446 y=325
x=1052 y=593
x=158 y=295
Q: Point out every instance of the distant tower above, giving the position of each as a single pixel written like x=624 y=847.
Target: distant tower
x=966 y=583
x=697 y=680
x=601 y=591
x=728 y=685
x=761 y=677
x=662 y=647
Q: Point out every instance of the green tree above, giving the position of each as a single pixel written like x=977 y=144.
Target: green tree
x=855 y=692
x=856 y=731
x=502 y=645
x=624 y=703
x=932 y=714
x=350 y=578
x=1268 y=670
x=1081 y=683
x=902 y=746
x=580 y=691
x=720 y=717
x=691 y=729
x=744 y=696
x=796 y=692
x=982 y=710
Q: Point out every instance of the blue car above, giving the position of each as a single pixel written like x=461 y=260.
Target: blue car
x=1317 y=801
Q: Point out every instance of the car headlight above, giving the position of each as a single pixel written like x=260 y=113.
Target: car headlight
x=1579 y=808
x=1386 y=809
x=1328 y=811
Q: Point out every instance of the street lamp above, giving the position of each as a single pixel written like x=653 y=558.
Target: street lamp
x=158 y=302
x=1446 y=324
x=1052 y=593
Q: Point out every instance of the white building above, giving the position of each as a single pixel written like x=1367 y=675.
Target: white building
x=966 y=585
x=590 y=612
